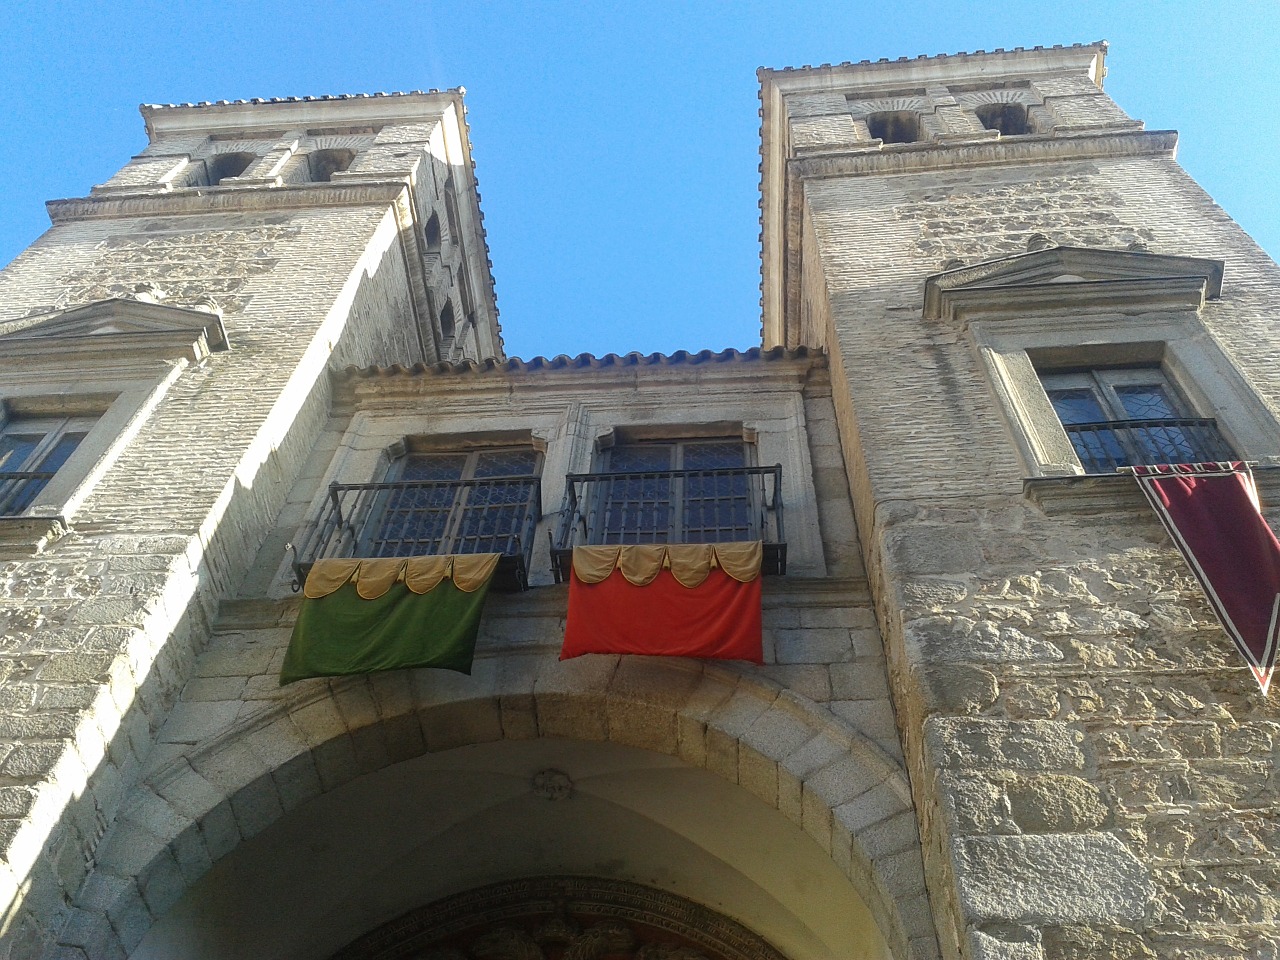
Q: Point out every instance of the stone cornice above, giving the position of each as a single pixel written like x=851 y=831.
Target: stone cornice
x=1147 y=295
x=248 y=115
x=377 y=387
x=111 y=333
x=938 y=155
x=993 y=65
x=196 y=200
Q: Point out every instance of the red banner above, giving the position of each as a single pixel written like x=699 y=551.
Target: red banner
x=718 y=619
x=1211 y=511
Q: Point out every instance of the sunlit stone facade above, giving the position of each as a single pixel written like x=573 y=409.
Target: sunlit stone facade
x=996 y=719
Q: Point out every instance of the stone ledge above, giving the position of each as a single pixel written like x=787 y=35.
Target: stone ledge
x=1117 y=495
x=550 y=600
x=840 y=162
x=26 y=536
x=220 y=200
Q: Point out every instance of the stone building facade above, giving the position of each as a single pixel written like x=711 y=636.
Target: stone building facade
x=996 y=720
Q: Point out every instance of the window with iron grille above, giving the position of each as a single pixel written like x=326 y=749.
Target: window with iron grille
x=474 y=501
x=676 y=494
x=703 y=490
x=1121 y=416
x=32 y=449
x=435 y=503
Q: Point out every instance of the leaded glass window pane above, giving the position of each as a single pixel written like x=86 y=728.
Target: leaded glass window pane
x=38 y=446
x=1115 y=417
x=669 y=501
x=1147 y=402
x=438 y=507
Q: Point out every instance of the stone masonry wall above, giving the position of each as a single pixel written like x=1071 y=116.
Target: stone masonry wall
x=1094 y=767
x=823 y=658
x=100 y=629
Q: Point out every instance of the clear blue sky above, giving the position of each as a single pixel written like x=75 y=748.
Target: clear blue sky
x=616 y=145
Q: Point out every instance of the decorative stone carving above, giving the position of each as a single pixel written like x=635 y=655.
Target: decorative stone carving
x=552 y=784
x=561 y=918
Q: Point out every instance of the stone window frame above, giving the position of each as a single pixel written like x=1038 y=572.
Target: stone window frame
x=790 y=448
x=55 y=418
x=120 y=408
x=112 y=359
x=1039 y=115
x=1064 y=307
x=862 y=109
x=374 y=440
x=1015 y=352
x=675 y=446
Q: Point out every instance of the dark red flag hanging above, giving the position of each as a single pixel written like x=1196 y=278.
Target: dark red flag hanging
x=1211 y=511
x=687 y=600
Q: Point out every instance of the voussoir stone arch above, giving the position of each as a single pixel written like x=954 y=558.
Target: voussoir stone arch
x=839 y=787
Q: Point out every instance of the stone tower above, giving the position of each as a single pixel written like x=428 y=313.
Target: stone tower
x=993 y=716
x=981 y=242
x=164 y=353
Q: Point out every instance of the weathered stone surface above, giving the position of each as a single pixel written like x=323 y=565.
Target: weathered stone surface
x=1006 y=943
x=960 y=639
x=1095 y=943
x=935 y=550
x=1054 y=803
x=1025 y=745
x=959 y=688
x=1054 y=878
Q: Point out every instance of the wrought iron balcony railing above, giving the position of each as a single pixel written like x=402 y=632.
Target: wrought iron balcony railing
x=1104 y=446
x=672 y=506
x=419 y=518
x=19 y=490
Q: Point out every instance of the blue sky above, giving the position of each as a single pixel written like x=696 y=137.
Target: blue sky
x=616 y=145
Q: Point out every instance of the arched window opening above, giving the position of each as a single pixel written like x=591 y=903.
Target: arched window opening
x=325 y=163
x=451 y=210
x=464 y=292
x=1009 y=118
x=227 y=165
x=431 y=234
x=446 y=321
x=895 y=126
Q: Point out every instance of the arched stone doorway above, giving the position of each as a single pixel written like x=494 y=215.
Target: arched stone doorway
x=562 y=918
x=358 y=860
x=263 y=830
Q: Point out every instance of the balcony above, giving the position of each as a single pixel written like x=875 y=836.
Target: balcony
x=421 y=518
x=672 y=506
x=1103 y=447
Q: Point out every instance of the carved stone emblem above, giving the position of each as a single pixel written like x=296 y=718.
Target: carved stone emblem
x=552 y=784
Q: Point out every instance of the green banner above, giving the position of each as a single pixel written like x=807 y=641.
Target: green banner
x=343 y=633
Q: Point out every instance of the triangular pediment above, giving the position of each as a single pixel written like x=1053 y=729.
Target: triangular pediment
x=1090 y=273
x=117 y=325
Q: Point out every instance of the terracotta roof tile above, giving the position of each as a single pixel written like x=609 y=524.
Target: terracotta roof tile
x=937 y=56
x=320 y=99
x=585 y=361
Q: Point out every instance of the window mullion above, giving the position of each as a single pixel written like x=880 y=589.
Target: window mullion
x=1107 y=396
x=453 y=525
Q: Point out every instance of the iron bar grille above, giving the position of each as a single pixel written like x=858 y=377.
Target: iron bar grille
x=1102 y=447
x=418 y=518
x=19 y=490
x=722 y=505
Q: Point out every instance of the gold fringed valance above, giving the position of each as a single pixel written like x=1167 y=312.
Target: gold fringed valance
x=689 y=563
x=373 y=578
